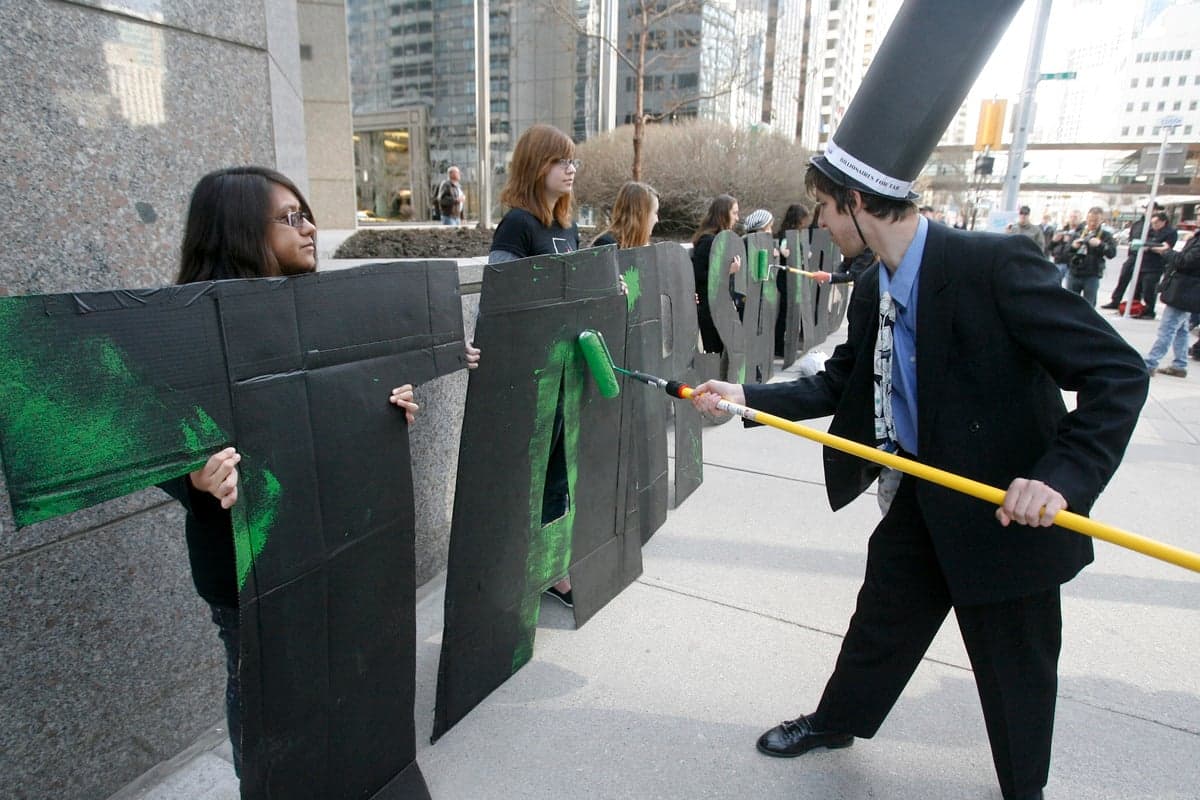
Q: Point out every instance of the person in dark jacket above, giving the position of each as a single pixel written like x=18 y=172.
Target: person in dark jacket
x=1159 y=241
x=242 y=222
x=980 y=343
x=722 y=215
x=1135 y=232
x=1181 y=300
x=1090 y=251
x=1060 y=245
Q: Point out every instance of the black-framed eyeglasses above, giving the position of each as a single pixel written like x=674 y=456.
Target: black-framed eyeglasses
x=569 y=162
x=295 y=219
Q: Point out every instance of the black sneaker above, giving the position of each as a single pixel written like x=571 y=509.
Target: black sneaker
x=563 y=597
x=1111 y=306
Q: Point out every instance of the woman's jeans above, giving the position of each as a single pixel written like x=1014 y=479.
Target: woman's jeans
x=1172 y=330
x=1086 y=286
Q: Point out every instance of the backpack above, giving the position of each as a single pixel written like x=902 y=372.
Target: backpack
x=447 y=198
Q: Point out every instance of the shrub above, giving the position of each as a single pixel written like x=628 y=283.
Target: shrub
x=689 y=163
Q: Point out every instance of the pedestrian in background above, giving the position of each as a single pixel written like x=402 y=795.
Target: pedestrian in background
x=1090 y=250
x=1026 y=228
x=1181 y=300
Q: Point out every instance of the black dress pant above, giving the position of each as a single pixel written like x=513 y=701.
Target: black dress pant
x=1013 y=646
x=1148 y=283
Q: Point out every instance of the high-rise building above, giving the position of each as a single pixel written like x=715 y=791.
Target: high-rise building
x=738 y=61
x=1161 y=77
x=842 y=40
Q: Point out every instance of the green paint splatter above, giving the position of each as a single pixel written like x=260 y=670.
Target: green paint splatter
x=633 y=280
x=255 y=513
x=549 y=552
x=79 y=426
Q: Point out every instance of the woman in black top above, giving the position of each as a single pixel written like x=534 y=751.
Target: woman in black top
x=634 y=215
x=538 y=196
x=722 y=215
x=243 y=222
x=538 y=222
x=794 y=219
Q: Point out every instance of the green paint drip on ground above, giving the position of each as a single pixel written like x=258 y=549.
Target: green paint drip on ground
x=549 y=552
x=254 y=515
x=633 y=280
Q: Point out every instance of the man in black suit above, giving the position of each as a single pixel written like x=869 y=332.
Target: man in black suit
x=984 y=339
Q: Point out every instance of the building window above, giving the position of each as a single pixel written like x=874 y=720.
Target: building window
x=831 y=44
x=1162 y=106
x=1182 y=81
x=828 y=83
x=1192 y=105
x=1178 y=105
x=1129 y=106
x=1133 y=83
x=1187 y=130
x=687 y=80
x=1149 y=82
x=1146 y=106
x=1125 y=131
x=1141 y=130
x=833 y=23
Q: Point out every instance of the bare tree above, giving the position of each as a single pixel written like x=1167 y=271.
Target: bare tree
x=643 y=51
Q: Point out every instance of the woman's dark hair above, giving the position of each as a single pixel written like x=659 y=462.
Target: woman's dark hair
x=794 y=219
x=875 y=205
x=719 y=217
x=226 y=231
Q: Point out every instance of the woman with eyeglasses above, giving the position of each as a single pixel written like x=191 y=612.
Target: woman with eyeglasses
x=538 y=197
x=634 y=215
x=242 y=222
x=538 y=222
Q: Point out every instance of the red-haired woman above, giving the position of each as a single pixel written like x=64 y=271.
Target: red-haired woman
x=538 y=196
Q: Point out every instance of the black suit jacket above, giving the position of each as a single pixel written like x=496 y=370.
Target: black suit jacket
x=997 y=338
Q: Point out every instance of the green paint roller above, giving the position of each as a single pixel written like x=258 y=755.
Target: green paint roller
x=600 y=363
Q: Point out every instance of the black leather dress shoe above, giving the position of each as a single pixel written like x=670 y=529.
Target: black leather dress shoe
x=796 y=737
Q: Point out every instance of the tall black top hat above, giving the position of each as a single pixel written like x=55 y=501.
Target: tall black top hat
x=927 y=63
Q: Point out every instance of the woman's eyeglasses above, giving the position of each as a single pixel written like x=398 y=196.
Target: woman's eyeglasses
x=569 y=162
x=296 y=219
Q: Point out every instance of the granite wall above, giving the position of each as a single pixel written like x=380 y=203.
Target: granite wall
x=111 y=110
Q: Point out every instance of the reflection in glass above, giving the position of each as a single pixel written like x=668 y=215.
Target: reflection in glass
x=135 y=72
x=383 y=166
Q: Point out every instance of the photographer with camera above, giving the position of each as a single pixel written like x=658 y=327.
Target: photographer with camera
x=1090 y=250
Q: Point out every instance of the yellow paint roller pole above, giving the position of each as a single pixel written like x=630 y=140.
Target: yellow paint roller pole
x=990 y=494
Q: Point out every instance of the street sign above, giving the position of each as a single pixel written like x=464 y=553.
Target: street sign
x=1174 y=159
x=1170 y=122
x=1057 y=76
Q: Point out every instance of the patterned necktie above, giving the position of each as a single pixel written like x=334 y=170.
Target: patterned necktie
x=885 y=428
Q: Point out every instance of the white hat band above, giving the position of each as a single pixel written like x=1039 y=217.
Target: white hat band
x=880 y=182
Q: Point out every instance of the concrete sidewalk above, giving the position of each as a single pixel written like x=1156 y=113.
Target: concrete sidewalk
x=737 y=620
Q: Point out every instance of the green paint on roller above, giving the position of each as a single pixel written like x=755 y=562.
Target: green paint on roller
x=255 y=513
x=549 y=552
x=599 y=362
x=633 y=282
x=762 y=268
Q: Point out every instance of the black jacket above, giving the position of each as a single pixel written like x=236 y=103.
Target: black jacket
x=997 y=338
x=1088 y=260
